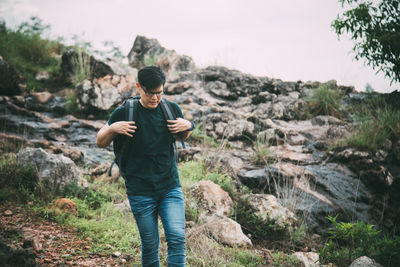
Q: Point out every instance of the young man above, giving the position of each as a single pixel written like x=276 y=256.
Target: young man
x=150 y=172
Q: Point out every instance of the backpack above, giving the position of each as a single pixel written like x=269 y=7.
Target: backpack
x=131 y=111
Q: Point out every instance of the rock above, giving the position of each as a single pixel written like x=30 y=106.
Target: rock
x=42 y=75
x=308 y=259
x=396 y=151
x=73 y=62
x=220 y=89
x=351 y=154
x=8 y=213
x=308 y=190
x=56 y=169
x=227 y=231
x=100 y=169
x=270 y=211
x=364 y=261
x=212 y=199
x=227 y=126
x=11 y=256
x=187 y=153
x=42 y=97
x=9 y=79
x=102 y=94
x=66 y=205
x=291 y=153
x=223 y=162
x=123 y=207
x=147 y=52
x=32 y=242
x=116 y=254
x=325 y=120
x=177 y=88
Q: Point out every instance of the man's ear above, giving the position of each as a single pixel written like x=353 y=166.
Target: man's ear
x=138 y=85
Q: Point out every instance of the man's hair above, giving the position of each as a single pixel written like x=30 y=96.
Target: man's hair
x=151 y=77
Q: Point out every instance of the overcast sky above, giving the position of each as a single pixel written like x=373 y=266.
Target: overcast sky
x=286 y=39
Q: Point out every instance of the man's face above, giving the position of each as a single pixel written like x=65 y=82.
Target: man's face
x=150 y=98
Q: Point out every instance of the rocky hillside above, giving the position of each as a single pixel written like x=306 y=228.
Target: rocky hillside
x=255 y=129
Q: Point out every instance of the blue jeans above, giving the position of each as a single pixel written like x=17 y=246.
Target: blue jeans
x=171 y=209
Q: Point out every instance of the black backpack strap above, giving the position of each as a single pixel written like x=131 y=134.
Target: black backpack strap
x=131 y=110
x=170 y=115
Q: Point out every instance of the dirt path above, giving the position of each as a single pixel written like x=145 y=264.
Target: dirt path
x=52 y=243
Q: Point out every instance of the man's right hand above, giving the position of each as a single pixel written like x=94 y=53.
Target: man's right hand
x=124 y=127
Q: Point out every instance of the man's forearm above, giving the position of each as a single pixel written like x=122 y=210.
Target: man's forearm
x=105 y=136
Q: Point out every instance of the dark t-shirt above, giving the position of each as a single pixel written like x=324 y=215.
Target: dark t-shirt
x=150 y=165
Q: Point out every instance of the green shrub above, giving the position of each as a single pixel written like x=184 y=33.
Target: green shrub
x=26 y=50
x=348 y=241
x=374 y=125
x=16 y=182
x=324 y=100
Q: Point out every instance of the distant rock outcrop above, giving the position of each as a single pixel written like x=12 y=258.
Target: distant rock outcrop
x=147 y=52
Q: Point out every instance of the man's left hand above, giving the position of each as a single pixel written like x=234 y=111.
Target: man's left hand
x=178 y=125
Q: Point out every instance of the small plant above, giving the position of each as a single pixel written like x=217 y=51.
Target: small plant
x=281 y=259
x=82 y=65
x=199 y=135
x=348 y=241
x=261 y=152
x=72 y=103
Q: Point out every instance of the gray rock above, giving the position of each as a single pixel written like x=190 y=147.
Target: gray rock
x=104 y=93
x=325 y=120
x=56 y=169
x=271 y=211
x=227 y=231
x=315 y=190
x=364 y=261
x=212 y=199
x=308 y=259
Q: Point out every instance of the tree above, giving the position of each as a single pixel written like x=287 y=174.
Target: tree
x=374 y=26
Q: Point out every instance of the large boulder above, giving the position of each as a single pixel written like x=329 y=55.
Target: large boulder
x=56 y=170
x=308 y=259
x=147 y=52
x=227 y=231
x=9 y=79
x=271 y=211
x=212 y=199
x=309 y=190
